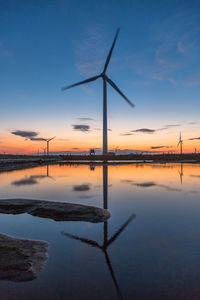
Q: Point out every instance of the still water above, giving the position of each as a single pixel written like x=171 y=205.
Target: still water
x=148 y=249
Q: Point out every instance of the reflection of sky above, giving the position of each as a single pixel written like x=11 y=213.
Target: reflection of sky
x=73 y=183
x=155 y=62
x=157 y=254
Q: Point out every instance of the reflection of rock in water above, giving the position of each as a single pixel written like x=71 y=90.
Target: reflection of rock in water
x=20 y=259
x=57 y=211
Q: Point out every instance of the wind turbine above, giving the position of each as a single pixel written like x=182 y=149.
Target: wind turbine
x=44 y=149
x=106 y=80
x=48 y=140
x=181 y=144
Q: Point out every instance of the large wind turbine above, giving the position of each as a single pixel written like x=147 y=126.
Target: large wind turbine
x=48 y=140
x=106 y=80
x=181 y=144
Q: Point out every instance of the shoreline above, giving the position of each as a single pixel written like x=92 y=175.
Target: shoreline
x=15 y=164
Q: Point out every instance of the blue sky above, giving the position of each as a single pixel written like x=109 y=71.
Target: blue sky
x=45 y=45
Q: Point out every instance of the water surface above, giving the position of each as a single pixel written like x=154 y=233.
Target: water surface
x=148 y=249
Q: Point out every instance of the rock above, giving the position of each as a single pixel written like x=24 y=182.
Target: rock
x=21 y=259
x=57 y=211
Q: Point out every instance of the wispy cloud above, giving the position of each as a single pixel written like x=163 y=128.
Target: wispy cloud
x=81 y=127
x=61 y=140
x=85 y=119
x=144 y=130
x=91 y=51
x=160 y=147
x=192 y=123
x=174 y=46
x=194 y=80
x=196 y=138
x=28 y=135
x=126 y=134
x=149 y=130
x=171 y=126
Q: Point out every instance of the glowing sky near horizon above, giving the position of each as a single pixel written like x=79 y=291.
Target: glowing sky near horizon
x=45 y=45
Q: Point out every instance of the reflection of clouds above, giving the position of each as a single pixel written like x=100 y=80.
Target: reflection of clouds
x=28 y=180
x=147 y=184
x=193 y=192
x=81 y=188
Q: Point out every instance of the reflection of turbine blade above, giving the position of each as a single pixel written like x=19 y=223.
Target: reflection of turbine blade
x=112 y=273
x=113 y=238
x=104 y=247
x=86 y=241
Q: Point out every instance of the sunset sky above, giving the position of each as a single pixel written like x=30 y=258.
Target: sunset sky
x=45 y=45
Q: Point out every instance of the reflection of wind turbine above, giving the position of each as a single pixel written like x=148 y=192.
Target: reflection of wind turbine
x=105 y=81
x=107 y=242
x=181 y=174
x=51 y=177
x=181 y=144
x=48 y=140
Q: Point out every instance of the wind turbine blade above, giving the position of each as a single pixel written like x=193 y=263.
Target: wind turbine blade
x=110 y=52
x=113 y=238
x=81 y=82
x=118 y=90
x=48 y=140
x=75 y=237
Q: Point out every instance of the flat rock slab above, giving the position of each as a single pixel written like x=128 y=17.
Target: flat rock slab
x=21 y=259
x=57 y=211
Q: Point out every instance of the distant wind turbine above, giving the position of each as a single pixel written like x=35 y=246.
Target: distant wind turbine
x=106 y=80
x=44 y=149
x=48 y=140
x=181 y=144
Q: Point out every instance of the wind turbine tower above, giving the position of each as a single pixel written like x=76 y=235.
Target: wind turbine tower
x=181 y=144
x=106 y=80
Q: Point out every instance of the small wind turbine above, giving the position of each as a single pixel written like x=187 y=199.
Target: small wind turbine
x=48 y=140
x=181 y=144
x=44 y=149
x=105 y=81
